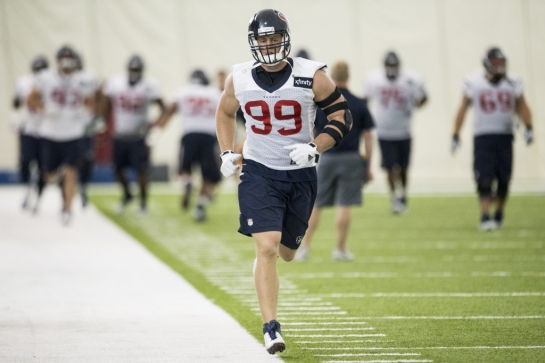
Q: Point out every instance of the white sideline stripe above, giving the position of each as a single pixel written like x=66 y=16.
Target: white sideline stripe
x=90 y=293
x=381 y=361
x=343 y=341
x=306 y=303
x=369 y=354
x=334 y=335
x=437 y=294
x=325 y=318
x=310 y=308
x=390 y=275
x=325 y=323
x=328 y=329
x=450 y=317
x=446 y=348
x=314 y=313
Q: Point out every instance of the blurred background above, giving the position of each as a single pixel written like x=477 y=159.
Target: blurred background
x=441 y=40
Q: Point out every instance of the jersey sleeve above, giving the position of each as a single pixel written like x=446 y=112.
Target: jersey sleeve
x=154 y=91
x=108 y=88
x=420 y=88
x=368 y=122
x=467 y=88
x=519 y=89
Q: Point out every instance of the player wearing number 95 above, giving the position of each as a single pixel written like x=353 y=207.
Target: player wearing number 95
x=279 y=96
x=495 y=97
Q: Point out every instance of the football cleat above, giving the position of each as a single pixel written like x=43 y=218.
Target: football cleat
x=339 y=255
x=488 y=225
x=302 y=254
x=66 y=217
x=200 y=213
x=273 y=340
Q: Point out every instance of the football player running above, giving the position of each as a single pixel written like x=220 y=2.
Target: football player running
x=65 y=98
x=496 y=98
x=197 y=104
x=30 y=163
x=394 y=94
x=279 y=96
x=94 y=125
x=129 y=96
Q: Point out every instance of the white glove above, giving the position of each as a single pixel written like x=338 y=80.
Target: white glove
x=152 y=136
x=455 y=144
x=304 y=155
x=228 y=160
x=529 y=136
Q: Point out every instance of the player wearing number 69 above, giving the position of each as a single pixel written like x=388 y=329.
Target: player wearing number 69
x=496 y=97
x=279 y=96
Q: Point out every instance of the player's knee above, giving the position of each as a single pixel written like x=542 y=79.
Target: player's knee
x=484 y=188
x=503 y=189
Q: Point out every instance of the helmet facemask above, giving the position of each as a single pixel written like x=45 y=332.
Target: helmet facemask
x=270 y=54
x=495 y=64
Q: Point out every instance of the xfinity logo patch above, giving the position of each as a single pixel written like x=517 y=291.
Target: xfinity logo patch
x=302 y=82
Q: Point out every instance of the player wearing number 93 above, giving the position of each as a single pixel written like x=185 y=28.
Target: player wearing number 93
x=279 y=96
x=495 y=97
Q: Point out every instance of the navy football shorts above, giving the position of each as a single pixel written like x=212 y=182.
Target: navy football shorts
x=131 y=154
x=271 y=205
x=199 y=148
x=57 y=153
x=493 y=157
x=30 y=150
x=395 y=153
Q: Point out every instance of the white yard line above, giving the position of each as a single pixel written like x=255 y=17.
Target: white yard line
x=90 y=293
x=454 y=348
x=381 y=361
x=451 y=317
x=434 y=294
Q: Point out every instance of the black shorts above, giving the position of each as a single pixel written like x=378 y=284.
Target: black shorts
x=271 y=205
x=131 y=154
x=493 y=157
x=395 y=153
x=30 y=149
x=197 y=148
x=57 y=153
x=87 y=150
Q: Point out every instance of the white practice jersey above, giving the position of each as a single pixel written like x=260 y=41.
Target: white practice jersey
x=31 y=121
x=65 y=115
x=494 y=104
x=94 y=83
x=280 y=116
x=130 y=103
x=197 y=105
x=393 y=103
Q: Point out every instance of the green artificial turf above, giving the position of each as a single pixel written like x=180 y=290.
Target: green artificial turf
x=425 y=286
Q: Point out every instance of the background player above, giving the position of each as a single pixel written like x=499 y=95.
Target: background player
x=197 y=105
x=496 y=97
x=342 y=171
x=94 y=125
x=30 y=163
x=394 y=95
x=66 y=99
x=129 y=96
x=279 y=97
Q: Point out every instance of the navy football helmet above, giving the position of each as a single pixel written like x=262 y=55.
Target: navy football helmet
x=392 y=65
x=269 y=22
x=136 y=69
x=39 y=63
x=494 y=62
x=66 y=59
x=199 y=77
x=302 y=53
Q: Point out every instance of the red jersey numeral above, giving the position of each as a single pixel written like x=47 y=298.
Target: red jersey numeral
x=490 y=101
x=279 y=109
x=394 y=97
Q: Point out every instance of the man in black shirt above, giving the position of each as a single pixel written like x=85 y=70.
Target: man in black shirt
x=342 y=171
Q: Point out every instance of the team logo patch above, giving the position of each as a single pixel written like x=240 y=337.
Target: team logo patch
x=250 y=222
x=281 y=16
x=298 y=240
x=302 y=82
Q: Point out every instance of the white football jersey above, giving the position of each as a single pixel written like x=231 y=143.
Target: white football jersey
x=393 y=103
x=276 y=116
x=494 y=104
x=93 y=83
x=130 y=103
x=197 y=106
x=65 y=113
x=31 y=121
